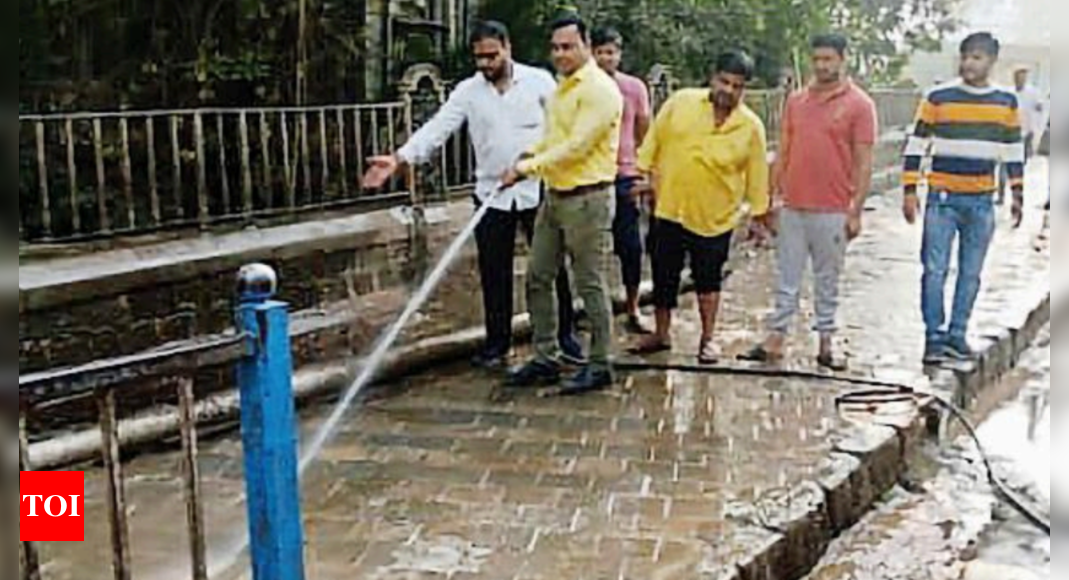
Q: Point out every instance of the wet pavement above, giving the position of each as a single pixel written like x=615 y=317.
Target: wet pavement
x=950 y=522
x=659 y=479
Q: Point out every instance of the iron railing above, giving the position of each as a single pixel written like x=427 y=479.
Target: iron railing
x=106 y=174
x=104 y=381
x=261 y=351
x=897 y=108
x=92 y=175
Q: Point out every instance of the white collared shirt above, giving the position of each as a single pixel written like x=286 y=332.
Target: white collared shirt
x=502 y=128
x=1031 y=107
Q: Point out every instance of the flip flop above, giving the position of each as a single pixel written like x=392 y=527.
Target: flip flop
x=709 y=354
x=829 y=362
x=650 y=346
x=757 y=354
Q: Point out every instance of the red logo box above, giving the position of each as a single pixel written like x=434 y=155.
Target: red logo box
x=52 y=506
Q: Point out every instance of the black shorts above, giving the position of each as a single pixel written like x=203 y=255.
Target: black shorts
x=671 y=245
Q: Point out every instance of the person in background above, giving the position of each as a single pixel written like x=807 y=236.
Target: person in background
x=706 y=158
x=822 y=178
x=626 y=228
x=968 y=127
x=504 y=107
x=1032 y=112
x=577 y=160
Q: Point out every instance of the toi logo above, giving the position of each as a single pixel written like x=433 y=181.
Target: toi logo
x=52 y=506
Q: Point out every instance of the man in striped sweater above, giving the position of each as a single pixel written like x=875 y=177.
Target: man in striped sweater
x=967 y=127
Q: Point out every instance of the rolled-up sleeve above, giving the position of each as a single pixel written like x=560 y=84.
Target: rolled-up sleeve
x=649 y=150
x=432 y=135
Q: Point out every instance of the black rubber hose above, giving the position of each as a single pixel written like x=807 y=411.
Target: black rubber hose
x=886 y=392
x=1012 y=497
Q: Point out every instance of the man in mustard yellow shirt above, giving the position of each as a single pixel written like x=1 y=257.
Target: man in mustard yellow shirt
x=577 y=161
x=707 y=158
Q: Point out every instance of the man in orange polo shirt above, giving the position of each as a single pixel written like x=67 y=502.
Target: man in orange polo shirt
x=823 y=175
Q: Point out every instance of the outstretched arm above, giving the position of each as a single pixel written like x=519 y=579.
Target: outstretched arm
x=419 y=149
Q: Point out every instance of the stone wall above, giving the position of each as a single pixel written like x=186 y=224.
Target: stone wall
x=121 y=302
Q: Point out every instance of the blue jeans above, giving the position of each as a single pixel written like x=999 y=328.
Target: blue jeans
x=970 y=219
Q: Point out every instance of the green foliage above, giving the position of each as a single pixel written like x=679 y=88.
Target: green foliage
x=689 y=33
x=178 y=53
x=92 y=54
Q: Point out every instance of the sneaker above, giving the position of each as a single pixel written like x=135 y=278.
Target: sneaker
x=572 y=352
x=489 y=361
x=935 y=354
x=958 y=349
x=588 y=380
x=534 y=374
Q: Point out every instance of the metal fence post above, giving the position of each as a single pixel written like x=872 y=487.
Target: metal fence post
x=269 y=429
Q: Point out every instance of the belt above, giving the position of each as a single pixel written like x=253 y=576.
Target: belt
x=583 y=189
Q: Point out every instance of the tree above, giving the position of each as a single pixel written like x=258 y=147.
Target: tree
x=885 y=32
x=103 y=54
x=688 y=33
x=179 y=53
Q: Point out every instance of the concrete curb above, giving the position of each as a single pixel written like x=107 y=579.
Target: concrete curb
x=799 y=525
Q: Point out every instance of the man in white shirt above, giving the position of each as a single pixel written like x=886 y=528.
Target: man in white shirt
x=1032 y=110
x=504 y=108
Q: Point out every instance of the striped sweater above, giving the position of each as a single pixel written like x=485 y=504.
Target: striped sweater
x=968 y=132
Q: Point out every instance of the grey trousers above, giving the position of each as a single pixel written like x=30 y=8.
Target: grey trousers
x=806 y=237
x=580 y=227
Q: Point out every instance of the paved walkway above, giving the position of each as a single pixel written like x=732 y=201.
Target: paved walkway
x=659 y=479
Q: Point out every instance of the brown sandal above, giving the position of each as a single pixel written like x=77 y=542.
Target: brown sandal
x=650 y=345
x=829 y=362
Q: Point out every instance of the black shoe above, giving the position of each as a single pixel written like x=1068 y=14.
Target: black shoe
x=958 y=349
x=588 y=380
x=572 y=351
x=489 y=361
x=635 y=327
x=534 y=374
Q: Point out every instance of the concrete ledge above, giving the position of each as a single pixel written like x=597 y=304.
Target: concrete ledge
x=60 y=281
x=76 y=310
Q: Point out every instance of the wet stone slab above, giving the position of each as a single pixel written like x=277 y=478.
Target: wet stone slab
x=643 y=482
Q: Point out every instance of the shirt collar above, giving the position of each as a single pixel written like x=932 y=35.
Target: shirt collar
x=582 y=74
x=844 y=87
x=734 y=119
x=519 y=73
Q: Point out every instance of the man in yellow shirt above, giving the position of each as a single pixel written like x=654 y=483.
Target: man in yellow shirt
x=577 y=161
x=707 y=156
